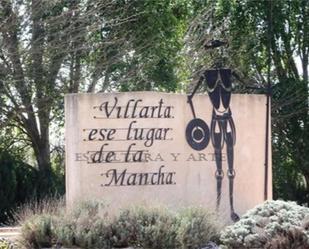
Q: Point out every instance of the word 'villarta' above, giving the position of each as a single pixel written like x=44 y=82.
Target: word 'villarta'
x=134 y=108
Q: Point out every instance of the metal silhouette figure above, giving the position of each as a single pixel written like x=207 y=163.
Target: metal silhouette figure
x=222 y=128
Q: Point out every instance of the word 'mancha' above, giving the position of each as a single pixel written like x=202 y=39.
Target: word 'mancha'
x=124 y=178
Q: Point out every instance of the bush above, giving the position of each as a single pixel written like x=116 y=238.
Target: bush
x=265 y=224
x=84 y=227
x=293 y=238
x=48 y=223
x=125 y=227
x=17 y=184
x=157 y=228
x=197 y=228
x=146 y=228
x=64 y=228
x=149 y=228
x=38 y=222
x=37 y=231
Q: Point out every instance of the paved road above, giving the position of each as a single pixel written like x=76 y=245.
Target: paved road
x=9 y=232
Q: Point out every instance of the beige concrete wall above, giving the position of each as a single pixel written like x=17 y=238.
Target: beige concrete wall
x=189 y=174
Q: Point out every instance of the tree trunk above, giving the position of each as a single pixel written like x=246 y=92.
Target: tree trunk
x=42 y=154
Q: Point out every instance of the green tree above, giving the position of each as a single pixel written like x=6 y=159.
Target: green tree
x=49 y=48
x=31 y=58
x=146 y=55
x=254 y=30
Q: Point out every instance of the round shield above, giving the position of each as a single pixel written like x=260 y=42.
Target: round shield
x=197 y=134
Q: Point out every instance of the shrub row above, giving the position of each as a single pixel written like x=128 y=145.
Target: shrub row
x=152 y=228
x=272 y=225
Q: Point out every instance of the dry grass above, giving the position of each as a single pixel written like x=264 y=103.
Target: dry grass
x=51 y=205
x=35 y=219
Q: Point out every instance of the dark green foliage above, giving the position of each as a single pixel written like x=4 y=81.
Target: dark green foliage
x=17 y=184
x=58 y=174
x=259 y=28
x=26 y=187
x=264 y=33
x=152 y=58
x=7 y=184
x=19 y=181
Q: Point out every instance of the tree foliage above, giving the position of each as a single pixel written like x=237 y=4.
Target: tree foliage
x=267 y=35
x=151 y=48
x=49 y=48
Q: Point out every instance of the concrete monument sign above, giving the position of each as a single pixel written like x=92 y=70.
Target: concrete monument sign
x=149 y=147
